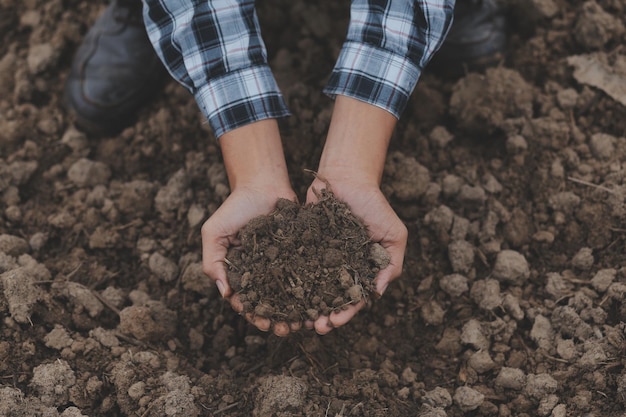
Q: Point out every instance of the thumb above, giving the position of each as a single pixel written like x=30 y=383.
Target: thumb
x=392 y=271
x=213 y=263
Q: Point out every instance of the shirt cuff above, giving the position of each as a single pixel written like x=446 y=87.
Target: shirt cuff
x=241 y=97
x=374 y=75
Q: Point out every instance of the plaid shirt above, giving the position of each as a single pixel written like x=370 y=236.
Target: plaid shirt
x=215 y=49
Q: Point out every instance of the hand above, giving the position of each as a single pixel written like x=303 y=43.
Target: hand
x=368 y=203
x=352 y=162
x=257 y=173
x=219 y=233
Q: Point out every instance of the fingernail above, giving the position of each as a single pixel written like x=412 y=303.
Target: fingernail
x=383 y=289
x=220 y=288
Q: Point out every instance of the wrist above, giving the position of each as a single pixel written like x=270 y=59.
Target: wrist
x=253 y=156
x=357 y=142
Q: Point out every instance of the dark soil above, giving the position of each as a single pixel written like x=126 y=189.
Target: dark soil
x=511 y=181
x=298 y=263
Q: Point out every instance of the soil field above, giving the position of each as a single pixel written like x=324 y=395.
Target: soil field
x=512 y=183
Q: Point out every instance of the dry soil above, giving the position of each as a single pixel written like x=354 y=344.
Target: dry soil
x=511 y=181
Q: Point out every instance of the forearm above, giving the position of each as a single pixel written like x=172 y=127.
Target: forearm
x=357 y=141
x=253 y=156
x=389 y=43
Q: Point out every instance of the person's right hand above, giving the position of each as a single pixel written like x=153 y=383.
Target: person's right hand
x=219 y=234
x=257 y=174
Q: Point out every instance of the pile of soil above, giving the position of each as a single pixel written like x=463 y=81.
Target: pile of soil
x=511 y=182
x=298 y=263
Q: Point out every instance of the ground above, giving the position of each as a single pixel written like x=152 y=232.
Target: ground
x=511 y=181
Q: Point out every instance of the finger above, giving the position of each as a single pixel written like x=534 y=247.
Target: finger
x=382 y=281
x=394 y=269
x=262 y=323
x=338 y=319
x=323 y=325
x=213 y=253
x=236 y=303
x=281 y=329
x=385 y=276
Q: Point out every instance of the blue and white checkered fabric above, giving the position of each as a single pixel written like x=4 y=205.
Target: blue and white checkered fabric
x=215 y=49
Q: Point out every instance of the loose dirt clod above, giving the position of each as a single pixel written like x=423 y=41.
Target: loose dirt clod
x=279 y=396
x=468 y=399
x=300 y=262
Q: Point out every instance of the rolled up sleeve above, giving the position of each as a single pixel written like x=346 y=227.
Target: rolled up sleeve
x=389 y=42
x=215 y=49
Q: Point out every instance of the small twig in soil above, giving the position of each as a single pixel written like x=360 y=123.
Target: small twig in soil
x=130 y=340
x=316 y=175
x=136 y=222
x=359 y=405
x=145 y=413
x=494 y=397
x=254 y=368
x=552 y=358
x=317 y=193
x=606 y=297
x=312 y=373
x=564 y=297
x=74 y=272
x=576 y=280
x=311 y=359
x=334 y=365
x=590 y=184
x=324 y=180
x=228 y=407
x=105 y=302
x=331 y=218
x=12 y=376
x=95 y=293
x=275 y=236
x=603 y=394
x=100 y=282
x=341 y=307
x=521 y=342
x=482 y=257
x=232 y=265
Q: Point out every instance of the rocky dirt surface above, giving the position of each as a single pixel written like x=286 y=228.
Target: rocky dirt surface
x=512 y=183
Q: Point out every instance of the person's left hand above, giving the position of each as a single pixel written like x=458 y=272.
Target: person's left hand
x=368 y=203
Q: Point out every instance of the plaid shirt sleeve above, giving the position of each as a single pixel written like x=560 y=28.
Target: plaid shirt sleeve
x=214 y=48
x=389 y=43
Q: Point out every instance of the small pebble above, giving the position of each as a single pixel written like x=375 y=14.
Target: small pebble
x=468 y=399
x=355 y=293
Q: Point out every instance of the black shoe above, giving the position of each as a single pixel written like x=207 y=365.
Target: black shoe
x=115 y=70
x=477 y=38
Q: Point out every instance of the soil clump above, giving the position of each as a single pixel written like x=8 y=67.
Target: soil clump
x=300 y=262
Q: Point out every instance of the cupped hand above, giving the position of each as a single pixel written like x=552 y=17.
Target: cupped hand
x=219 y=234
x=368 y=203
